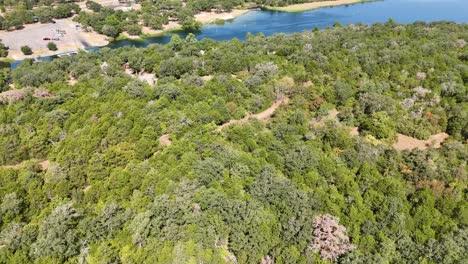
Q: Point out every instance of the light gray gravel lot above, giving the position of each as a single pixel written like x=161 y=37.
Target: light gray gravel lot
x=33 y=36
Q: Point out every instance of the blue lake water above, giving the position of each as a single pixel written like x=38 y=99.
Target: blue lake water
x=271 y=22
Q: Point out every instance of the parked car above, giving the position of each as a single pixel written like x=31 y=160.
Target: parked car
x=46 y=39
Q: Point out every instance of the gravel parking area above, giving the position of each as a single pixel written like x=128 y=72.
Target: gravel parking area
x=33 y=36
x=64 y=33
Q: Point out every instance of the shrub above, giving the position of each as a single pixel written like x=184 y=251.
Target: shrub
x=93 y=6
x=191 y=25
x=3 y=50
x=26 y=50
x=134 y=30
x=52 y=46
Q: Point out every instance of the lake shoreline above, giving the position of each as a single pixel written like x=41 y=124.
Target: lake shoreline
x=204 y=18
x=297 y=8
x=273 y=22
x=97 y=40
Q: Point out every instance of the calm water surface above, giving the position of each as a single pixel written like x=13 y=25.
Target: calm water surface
x=271 y=22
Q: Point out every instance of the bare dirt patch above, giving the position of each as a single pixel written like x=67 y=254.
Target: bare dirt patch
x=172 y=25
x=210 y=17
x=407 y=143
x=164 y=140
x=150 y=78
x=354 y=131
x=44 y=164
x=207 y=78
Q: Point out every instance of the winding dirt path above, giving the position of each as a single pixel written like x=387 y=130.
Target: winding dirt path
x=262 y=116
x=44 y=165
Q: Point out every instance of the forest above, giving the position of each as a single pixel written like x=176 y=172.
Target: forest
x=100 y=166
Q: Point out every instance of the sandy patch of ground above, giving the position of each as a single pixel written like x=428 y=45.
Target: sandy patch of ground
x=354 y=131
x=33 y=36
x=203 y=17
x=44 y=164
x=150 y=78
x=172 y=25
x=407 y=143
x=136 y=6
x=210 y=17
x=164 y=140
x=314 y=5
x=207 y=78
x=128 y=36
x=262 y=116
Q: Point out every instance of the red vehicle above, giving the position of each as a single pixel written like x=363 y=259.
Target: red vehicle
x=46 y=39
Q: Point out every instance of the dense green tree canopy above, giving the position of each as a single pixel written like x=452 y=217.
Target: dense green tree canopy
x=98 y=166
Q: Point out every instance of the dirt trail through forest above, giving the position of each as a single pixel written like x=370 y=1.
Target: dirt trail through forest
x=262 y=116
x=44 y=165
